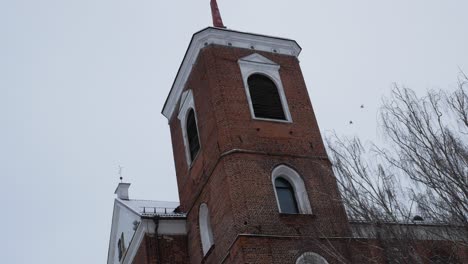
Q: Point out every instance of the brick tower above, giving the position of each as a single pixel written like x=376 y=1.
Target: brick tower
x=252 y=171
x=255 y=183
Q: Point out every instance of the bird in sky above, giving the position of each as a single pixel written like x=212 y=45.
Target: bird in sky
x=362 y=106
x=350 y=122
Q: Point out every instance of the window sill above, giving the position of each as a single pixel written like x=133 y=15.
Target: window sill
x=192 y=163
x=272 y=120
x=295 y=215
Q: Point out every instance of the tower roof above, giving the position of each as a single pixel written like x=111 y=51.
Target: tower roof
x=223 y=37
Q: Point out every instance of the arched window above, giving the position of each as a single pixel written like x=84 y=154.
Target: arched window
x=286 y=196
x=290 y=191
x=206 y=234
x=192 y=135
x=266 y=101
x=264 y=88
x=311 y=258
x=188 y=123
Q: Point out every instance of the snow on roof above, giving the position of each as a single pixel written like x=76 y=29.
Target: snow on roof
x=152 y=208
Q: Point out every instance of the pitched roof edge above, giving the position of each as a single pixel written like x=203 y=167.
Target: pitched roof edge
x=225 y=37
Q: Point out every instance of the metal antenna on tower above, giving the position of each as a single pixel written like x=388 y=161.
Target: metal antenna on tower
x=217 y=20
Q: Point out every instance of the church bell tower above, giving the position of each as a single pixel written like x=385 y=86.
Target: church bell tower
x=252 y=171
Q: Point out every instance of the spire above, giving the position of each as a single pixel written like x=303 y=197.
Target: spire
x=217 y=20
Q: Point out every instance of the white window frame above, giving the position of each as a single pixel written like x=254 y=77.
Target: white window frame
x=258 y=64
x=311 y=258
x=188 y=103
x=300 y=192
x=206 y=233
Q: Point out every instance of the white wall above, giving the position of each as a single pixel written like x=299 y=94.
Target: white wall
x=123 y=221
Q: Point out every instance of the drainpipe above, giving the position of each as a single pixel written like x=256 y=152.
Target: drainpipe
x=156 y=223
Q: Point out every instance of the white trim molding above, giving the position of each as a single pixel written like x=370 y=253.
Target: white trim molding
x=206 y=233
x=147 y=227
x=311 y=258
x=297 y=183
x=228 y=38
x=258 y=64
x=186 y=104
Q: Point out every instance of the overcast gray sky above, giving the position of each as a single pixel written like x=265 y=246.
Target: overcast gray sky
x=82 y=84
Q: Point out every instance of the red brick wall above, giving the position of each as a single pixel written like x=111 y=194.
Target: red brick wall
x=163 y=250
x=144 y=255
x=237 y=187
x=241 y=199
x=217 y=196
x=285 y=250
x=173 y=249
x=224 y=117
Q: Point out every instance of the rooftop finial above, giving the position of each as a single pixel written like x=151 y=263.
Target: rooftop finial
x=217 y=20
x=120 y=173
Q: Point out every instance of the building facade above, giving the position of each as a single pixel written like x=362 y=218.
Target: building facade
x=255 y=183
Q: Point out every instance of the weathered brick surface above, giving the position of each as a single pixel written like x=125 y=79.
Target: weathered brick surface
x=144 y=254
x=237 y=186
x=225 y=121
x=163 y=249
x=216 y=196
x=173 y=249
x=285 y=250
x=232 y=172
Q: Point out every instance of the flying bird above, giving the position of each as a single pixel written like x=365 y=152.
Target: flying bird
x=362 y=106
x=350 y=122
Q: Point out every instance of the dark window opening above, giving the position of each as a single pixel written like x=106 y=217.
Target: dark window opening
x=265 y=98
x=121 y=246
x=192 y=135
x=286 y=197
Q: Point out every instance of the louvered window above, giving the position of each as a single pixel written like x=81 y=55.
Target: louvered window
x=286 y=197
x=192 y=135
x=266 y=101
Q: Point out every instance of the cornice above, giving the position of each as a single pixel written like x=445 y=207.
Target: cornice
x=223 y=37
